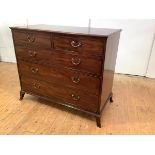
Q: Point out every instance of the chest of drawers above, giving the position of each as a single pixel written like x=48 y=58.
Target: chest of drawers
x=71 y=66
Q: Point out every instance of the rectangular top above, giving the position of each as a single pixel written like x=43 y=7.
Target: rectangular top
x=70 y=30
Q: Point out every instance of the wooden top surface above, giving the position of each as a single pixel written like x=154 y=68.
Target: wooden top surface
x=70 y=29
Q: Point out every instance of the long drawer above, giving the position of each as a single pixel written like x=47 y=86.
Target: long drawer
x=82 y=44
x=76 y=61
x=65 y=77
x=59 y=58
x=73 y=97
x=32 y=39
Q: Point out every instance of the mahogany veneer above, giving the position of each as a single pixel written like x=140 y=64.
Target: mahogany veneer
x=72 y=66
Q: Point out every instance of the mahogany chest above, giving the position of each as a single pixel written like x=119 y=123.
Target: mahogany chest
x=72 y=66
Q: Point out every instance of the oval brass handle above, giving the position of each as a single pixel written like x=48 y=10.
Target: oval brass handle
x=30 y=38
x=34 y=70
x=75 y=44
x=75 y=97
x=75 y=79
x=32 y=53
x=76 y=61
x=36 y=86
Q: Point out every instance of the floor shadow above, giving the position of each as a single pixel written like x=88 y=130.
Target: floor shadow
x=61 y=107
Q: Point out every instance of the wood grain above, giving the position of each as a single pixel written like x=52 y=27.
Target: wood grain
x=132 y=112
x=64 y=77
x=32 y=39
x=78 y=62
x=93 y=55
x=88 y=45
x=58 y=93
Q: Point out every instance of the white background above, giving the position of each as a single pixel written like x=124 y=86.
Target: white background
x=135 y=44
x=120 y=9
x=151 y=66
x=77 y=145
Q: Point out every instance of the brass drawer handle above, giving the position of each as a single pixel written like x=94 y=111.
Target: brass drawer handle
x=36 y=86
x=75 y=44
x=75 y=97
x=30 y=38
x=76 y=61
x=32 y=53
x=75 y=79
x=34 y=70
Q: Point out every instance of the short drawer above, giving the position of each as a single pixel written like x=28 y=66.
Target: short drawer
x=33 y=55
x=78 y=62
x=32 y=39
x=84 y=45
x=69 y=78
x=73 y=97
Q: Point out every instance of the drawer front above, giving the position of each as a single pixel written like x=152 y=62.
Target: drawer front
x=70 y=96
x=83 y=45
x=65 y=77
x=32 y=38
x=41 y=56
x=78 y=62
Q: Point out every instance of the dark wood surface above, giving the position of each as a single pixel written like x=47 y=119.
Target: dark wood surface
x=34 y=55
x=66 y=77
x=32 y=39
x=87 y=45
x=109 y=67
x=78 y=62
x=84 y=31
x=71 y=66
x=75 y=97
